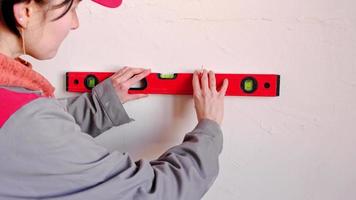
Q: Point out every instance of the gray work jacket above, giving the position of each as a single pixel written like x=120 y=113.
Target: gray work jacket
x=47 y=151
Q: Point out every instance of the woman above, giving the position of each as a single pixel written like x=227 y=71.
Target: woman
x=46 y=144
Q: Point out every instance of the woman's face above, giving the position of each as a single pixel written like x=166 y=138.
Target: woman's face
x=44 y=35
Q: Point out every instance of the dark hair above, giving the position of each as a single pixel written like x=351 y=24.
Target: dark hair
x=7 y=11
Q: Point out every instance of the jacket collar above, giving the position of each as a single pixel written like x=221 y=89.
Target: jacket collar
x=19 y=73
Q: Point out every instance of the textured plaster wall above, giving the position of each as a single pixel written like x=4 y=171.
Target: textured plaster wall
x=301 y=145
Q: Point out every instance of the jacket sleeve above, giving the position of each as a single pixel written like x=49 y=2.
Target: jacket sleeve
x=68 y=164
x=98 y=111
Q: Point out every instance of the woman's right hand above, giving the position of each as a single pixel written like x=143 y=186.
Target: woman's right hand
x=209 y=103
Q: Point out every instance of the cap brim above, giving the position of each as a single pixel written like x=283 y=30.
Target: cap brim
x=109 y=3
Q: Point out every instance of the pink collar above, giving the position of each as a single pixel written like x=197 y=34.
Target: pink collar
x=19 y=73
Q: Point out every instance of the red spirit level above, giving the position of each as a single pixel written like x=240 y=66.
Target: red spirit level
x=181 y=84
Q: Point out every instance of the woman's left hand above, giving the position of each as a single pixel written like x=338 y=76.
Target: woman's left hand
x=124 y=79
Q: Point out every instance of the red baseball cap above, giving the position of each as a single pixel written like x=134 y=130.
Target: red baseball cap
x=109 y=3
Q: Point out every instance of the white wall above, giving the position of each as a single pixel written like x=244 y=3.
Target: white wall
x=301 y=145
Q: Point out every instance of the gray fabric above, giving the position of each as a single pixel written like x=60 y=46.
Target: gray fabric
x=47 y=153
x=99 y=111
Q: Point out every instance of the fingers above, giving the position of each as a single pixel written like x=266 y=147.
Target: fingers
x=196 y=83
x=138 y=77
x=205 y=82
x=129 y=73
x=128 y=76
x=208 y=81
x=120 y=72
x=209 y=104
x=212 y=81
x=224 y=87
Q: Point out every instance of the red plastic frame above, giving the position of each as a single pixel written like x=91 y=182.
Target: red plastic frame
x=267 y=84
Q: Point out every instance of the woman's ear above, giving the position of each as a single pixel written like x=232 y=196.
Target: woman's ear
x=22 y=13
